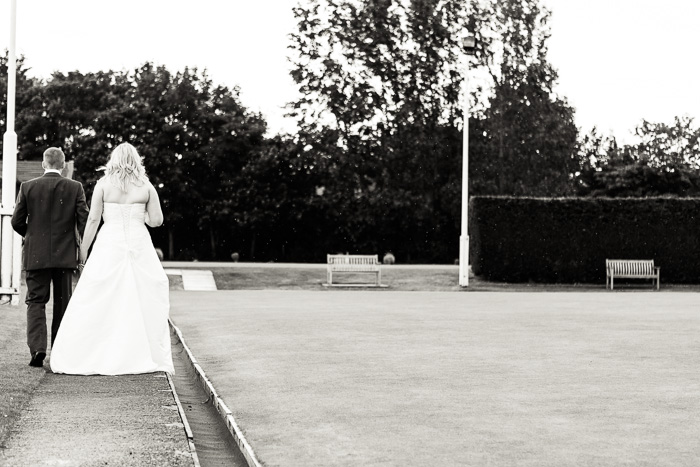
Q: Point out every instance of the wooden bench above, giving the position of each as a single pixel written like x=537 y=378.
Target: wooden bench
x=354 y=264
x=631 y=269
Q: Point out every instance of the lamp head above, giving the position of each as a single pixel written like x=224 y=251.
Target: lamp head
x=469 y=43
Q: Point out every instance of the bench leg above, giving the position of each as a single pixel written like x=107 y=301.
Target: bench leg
x=330 y=277
x=612 y=280
x=379 y=278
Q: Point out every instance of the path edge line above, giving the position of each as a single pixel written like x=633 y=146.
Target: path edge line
x=185 y=423
x=221 y=408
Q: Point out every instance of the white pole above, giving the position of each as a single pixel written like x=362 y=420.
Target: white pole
x=464 y=237
x=9 y=159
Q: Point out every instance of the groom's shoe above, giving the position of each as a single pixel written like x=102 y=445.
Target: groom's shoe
x=37 y=359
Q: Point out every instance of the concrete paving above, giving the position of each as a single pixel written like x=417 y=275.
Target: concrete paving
x=99 y=420
x=194 y=279
x=129 y=420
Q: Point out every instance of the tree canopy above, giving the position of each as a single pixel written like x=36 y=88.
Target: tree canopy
x=381 y=84
x=195 y=138
x=665 y=161
x=376 y=165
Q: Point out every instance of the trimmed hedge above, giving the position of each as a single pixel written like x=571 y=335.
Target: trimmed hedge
x=567 y=240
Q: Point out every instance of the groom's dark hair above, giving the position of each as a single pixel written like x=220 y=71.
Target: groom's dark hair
x=54 y=158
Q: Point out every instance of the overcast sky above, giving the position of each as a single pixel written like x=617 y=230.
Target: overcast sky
x=619 y=60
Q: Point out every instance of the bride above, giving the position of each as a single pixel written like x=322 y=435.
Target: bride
x=117 y=320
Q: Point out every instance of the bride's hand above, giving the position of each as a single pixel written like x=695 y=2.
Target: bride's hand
x=83 y=255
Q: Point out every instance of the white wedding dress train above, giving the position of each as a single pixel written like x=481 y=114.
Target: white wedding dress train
x=117 y=319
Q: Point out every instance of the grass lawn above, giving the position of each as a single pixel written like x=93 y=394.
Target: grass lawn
x=314 y=276
x=17 y=379
x=473 y=379
x=437 y=278
x=175 y=282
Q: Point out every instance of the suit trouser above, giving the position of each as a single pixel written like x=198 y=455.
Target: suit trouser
x=38 y=291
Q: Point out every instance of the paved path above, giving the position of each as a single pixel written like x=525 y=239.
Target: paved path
x=194 y=279
x=431 y=378
x=129 y=420
x=99 y=420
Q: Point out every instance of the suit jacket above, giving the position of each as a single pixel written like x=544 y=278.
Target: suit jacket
x=47 y=211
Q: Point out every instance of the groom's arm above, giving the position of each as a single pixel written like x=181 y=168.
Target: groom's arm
x=81 y=211
x=19 y=216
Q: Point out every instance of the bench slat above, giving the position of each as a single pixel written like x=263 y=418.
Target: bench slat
x=354 y=264
x=631 y=269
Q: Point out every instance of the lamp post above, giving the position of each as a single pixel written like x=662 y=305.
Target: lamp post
x=9 y=252
x=469 y=44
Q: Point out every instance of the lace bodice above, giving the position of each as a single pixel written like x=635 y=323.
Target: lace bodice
x=124 y=213
x=127 y=216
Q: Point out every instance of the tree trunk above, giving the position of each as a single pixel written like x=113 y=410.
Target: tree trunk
x=252 y=246
x=212 y=241
x=171 y=245
x=501 y=161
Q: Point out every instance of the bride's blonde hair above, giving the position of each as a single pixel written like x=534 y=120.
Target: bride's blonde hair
x=125 y=167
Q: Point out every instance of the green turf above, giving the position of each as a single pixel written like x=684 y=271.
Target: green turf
x=313 y=277
x=175 y=282
x=415 y=378
x=398 y=278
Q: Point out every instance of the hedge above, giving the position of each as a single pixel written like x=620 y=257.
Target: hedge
x=566 y=240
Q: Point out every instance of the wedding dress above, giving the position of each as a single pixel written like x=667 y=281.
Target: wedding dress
x=117 y=319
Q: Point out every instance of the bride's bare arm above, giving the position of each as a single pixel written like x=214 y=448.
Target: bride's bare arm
x=93 y=220
x=154 y=213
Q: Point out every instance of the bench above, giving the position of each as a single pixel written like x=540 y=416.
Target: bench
x=354 y=264
x=631 y=269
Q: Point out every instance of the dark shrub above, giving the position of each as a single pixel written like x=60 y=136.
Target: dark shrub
x=566 y=240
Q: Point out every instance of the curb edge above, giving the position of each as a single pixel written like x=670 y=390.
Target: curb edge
x=222 y=409
x=186 y=424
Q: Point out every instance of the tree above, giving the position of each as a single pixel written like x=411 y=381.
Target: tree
x=278 y=209
x=529 y=133
x=194 y=137
x=663 y=163
x=380 y=85
x=28 y=109
x=661 y=144
x=380 y=107
x=639 y=180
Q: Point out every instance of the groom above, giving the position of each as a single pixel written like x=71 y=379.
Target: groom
x=47 y=212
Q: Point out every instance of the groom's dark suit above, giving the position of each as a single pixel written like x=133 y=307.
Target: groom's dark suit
x=47 y=211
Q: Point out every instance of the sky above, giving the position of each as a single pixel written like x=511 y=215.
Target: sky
x=619 y=61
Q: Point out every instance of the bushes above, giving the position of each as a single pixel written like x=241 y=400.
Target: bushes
x=566 y=240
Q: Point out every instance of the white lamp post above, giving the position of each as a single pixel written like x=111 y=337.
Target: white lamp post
x=9 y=253
x=469 y=44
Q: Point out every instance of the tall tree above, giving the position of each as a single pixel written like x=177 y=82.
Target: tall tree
x=665 y=161
x=28 y=109
x=380 y=83
x=664 y=144
x=529 y=131
x=194 y=137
